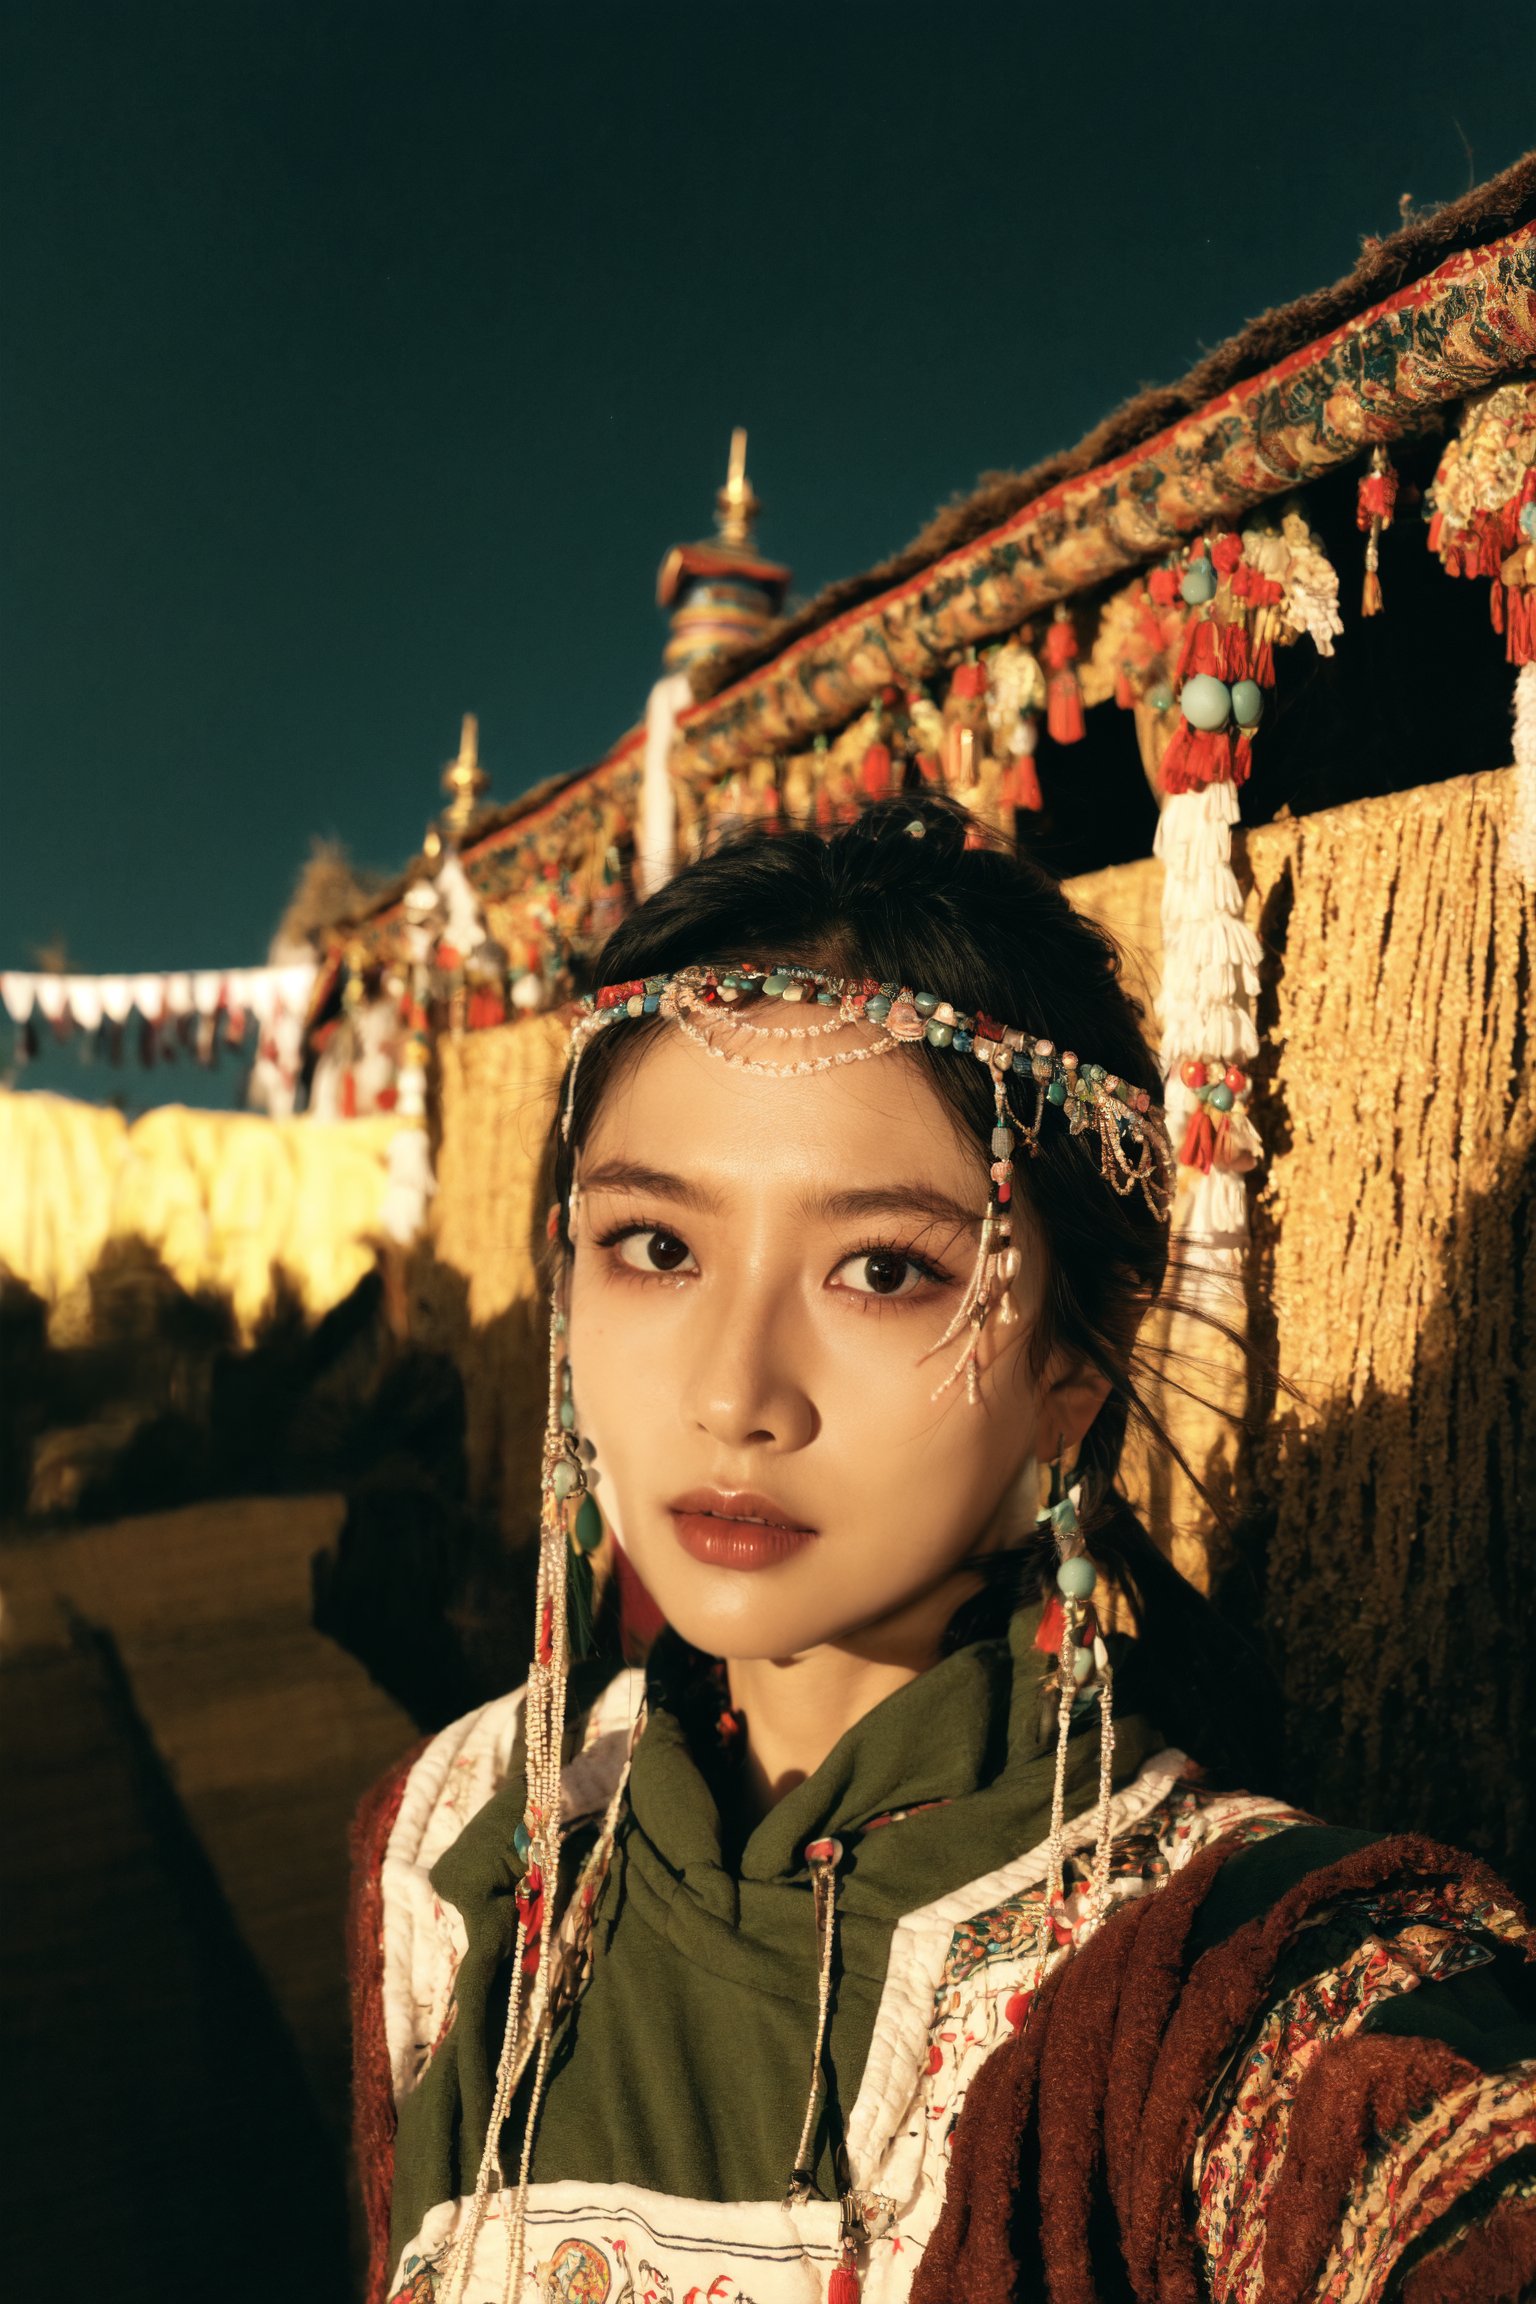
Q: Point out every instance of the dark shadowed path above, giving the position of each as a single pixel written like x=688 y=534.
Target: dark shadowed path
x=179 y=1757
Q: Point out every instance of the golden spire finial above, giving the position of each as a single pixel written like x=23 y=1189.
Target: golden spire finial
x=735 y=505
x=464 y=780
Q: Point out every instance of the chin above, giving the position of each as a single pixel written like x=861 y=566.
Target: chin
x=732 y=1615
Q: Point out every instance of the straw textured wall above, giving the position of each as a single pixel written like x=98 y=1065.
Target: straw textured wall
x=1393 y=1510
x=475 y=1292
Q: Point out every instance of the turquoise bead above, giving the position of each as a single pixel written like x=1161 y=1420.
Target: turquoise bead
x=567 y=1479
x=1057 y=1092
x=1220 y=1096
x=1160 y=697
x=568 y=1415
x=1528 y=520
x=776 y=985
x=1082 y=1665
x=1096 y=1073
x=1206 y=702
x=925 y=1002
x=650 y=1004
x=962 y=1043
x=522 y=1844
x=940 y=1035
x=877 y=1009
x=1076 y=1578
x=826 y=999
x=1247 y=703
x=1199 y=583
x=587 y=1533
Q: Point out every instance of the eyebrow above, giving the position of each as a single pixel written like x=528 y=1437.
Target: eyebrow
x=895 y=1199
x=840 y=1207
x=638 y=1176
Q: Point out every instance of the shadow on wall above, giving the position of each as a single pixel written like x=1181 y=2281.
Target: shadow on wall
x=1390 y=1554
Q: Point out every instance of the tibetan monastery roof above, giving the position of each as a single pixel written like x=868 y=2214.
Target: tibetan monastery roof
x=1492 y=209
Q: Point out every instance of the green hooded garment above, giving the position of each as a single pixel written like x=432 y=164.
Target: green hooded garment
x=686 y=2065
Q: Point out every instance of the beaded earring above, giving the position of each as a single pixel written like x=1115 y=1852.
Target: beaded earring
x=1082 y=1671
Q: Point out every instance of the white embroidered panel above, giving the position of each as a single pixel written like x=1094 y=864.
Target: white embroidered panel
x=461 y=1769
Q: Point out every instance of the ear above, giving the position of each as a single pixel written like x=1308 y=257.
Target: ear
x=1073 y=1395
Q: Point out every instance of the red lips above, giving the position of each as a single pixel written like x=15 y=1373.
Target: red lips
x=739 y=1504
x=736 y=1528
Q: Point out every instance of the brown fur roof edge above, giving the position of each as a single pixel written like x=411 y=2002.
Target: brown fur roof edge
x=1385 y=265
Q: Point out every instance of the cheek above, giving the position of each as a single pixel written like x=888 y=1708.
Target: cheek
x=923 y=1476
x=625 y=1394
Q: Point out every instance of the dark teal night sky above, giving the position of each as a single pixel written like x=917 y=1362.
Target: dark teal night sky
x=360 y=361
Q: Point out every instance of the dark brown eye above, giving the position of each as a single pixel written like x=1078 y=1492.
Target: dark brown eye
x=651 y=1248
x=885 y=1272
x=665 y=1251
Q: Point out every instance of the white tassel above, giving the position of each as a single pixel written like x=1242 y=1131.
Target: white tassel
x=656 y=848
x=1178 y=1103
x=1218 y=1211
x=1522 y=817
x=1224 y=956
x=411 y=1185
x=1207 y=1028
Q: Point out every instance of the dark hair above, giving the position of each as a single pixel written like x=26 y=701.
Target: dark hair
x=969 y=917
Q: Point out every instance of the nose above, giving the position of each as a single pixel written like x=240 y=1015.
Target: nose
x=747 y=1386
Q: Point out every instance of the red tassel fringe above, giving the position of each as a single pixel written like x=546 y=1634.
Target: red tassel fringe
x=1199 y=1147
x=1064 y=717
x=1064 y=710
x=1021 y=788
x=1519 y=625
x=1199 y=756
x=875 y=774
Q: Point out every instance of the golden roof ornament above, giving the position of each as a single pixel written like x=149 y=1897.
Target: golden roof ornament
x=722 y=593
x=465 y=781
x=736 y=507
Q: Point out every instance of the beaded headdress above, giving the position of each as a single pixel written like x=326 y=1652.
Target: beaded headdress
x=1133 y=1147
x=791 y=1002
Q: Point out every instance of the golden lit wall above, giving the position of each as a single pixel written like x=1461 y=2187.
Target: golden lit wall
x=226 y=1199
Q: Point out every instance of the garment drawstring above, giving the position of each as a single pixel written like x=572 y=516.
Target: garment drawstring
x=822 y=1860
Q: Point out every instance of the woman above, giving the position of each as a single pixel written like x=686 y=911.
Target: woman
x=881 y=1938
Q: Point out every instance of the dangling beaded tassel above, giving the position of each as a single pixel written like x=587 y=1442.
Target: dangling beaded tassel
x=822 y=1859
x=1079 y=1661
x=843 y=2287
x=997 y=1261
x=1375 y=504
x=530 y=1999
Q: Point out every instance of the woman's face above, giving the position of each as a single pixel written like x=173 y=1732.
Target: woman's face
x=760 y=1264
